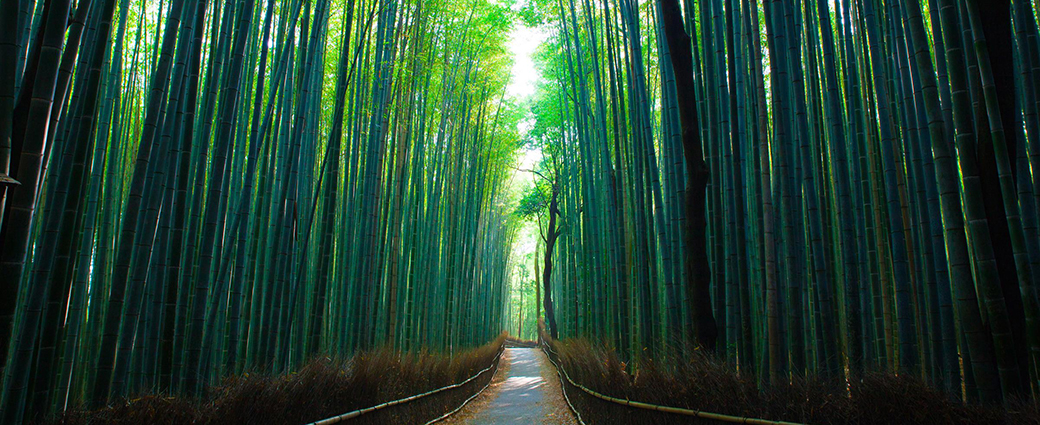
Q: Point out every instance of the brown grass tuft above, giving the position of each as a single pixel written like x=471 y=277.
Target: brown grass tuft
x=700 y=382
x=322 y=388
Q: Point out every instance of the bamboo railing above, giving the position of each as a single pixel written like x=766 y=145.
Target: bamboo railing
x=359 y=412
x=667 y=409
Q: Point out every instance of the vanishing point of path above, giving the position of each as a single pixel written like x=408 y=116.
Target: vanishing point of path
x=525 y=390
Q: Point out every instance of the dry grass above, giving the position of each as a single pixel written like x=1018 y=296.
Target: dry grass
x=515 y=342
x=322 y=388
x=703 y=383
x=485 y=398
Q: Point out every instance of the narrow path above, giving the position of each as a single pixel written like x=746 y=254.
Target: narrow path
x=525 y=390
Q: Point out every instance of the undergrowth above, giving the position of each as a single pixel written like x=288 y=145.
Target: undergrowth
x=704 y=383
x=516 y=342
x=324 y=387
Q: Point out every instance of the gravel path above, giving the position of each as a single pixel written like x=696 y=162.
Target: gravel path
x=525 y=390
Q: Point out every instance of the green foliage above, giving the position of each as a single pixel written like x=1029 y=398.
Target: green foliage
x=533 y=203
x=245 y=185
x=856 y=218
x=208 y=188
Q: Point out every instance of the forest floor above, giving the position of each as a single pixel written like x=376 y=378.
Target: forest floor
x=525 y=390
x=322 y=388
x=702 y=382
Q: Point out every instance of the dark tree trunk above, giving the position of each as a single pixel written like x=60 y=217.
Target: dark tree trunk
x=550 y=241
x=698 y=276
x=996 y=26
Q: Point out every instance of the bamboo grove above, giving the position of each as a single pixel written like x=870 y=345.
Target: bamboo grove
x=872 y=196
x=208 y=188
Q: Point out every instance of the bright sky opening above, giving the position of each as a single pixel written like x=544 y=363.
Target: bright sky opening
x=522 y=43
